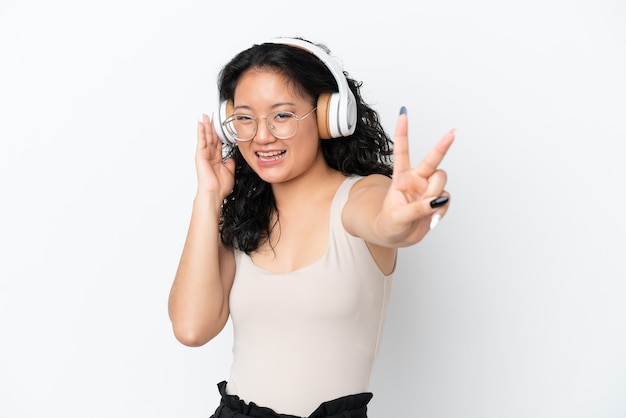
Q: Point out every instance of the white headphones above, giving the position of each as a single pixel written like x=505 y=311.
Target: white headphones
x=336 y=112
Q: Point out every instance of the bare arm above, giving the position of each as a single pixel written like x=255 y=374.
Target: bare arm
x=393 y=213
x=198 y=301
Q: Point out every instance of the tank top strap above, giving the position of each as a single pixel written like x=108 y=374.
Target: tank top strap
x=341 y=196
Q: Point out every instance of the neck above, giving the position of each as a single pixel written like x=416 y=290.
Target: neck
x=316 y=184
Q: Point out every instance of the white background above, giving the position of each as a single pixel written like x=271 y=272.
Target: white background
x=513 y=307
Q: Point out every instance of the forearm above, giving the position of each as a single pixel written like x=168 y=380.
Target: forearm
x=369 y=214
x=397 y=235
x=198 y=305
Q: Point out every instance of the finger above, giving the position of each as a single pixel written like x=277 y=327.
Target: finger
x=207 y=131
x=201 y=135
x=439 y=204
x=219 y=145
x=436 y=184
x=401 y=144
x=209 y=128
x=419 y=209
x=440 y=212
x=429 y=164
x=436 y=200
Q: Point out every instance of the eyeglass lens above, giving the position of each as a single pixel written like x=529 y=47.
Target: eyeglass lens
x=244 y=127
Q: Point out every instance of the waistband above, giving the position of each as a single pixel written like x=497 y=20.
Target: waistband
x=351 y=406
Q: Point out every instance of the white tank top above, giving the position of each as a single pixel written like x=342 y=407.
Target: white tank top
x=311 y=335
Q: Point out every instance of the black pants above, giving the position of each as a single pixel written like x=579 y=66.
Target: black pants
x=351 y=406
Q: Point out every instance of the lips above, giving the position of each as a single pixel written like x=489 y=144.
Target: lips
x=270 y=155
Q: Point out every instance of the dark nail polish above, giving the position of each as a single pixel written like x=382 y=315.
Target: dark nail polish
x=439 y=202
x=403 y=110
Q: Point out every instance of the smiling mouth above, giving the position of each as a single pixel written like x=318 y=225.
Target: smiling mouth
x=270 y=156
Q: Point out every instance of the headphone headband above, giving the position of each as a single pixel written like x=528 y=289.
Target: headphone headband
x=330 y=62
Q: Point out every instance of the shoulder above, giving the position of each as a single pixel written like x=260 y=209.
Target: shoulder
x=371 y=183
x=366 y=197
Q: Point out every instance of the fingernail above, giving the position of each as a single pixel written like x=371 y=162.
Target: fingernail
x=439 y=202
x=403 y=110
x=434 y=221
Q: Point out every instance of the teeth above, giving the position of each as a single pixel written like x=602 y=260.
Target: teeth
x=269 y=154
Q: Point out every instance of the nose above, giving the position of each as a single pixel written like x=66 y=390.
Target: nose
x=263 y=133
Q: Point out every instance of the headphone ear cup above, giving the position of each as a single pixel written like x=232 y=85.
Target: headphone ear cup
x=323 y=118
x=225 y=109
x=347 y=115
x=334 y=118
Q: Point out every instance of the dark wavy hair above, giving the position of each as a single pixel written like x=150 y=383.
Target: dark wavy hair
x=247 y=211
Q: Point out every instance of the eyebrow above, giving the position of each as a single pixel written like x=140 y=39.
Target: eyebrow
x=274 y=106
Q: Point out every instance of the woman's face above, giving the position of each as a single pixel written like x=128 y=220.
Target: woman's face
x=260 y=93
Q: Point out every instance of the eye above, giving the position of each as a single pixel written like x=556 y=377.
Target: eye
x=243 y=119
x=283 y=116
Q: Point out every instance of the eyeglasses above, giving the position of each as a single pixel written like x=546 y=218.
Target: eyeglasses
x=283 y=125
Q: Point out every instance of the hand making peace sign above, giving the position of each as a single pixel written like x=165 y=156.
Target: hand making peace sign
x=416 y=199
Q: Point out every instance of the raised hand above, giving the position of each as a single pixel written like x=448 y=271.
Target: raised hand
x=214 y=175
x=417 y=198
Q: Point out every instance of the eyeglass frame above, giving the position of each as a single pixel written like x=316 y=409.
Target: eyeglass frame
x=256 y=124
